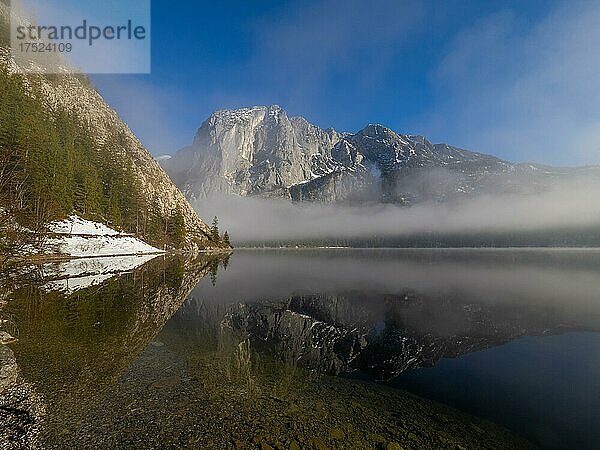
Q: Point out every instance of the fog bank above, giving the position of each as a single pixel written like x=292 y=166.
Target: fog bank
x=259 y=219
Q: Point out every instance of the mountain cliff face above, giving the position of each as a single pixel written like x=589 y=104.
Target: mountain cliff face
x=378 y=164
x=64 y=150
x=261 y=151
x=251 y=151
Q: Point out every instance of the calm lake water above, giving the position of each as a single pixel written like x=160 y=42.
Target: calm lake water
x=305 y=349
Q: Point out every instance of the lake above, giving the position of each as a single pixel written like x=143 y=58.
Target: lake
x=304 y=348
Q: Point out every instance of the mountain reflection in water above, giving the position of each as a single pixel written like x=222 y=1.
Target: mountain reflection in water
x=383 y=312
x=247 y=360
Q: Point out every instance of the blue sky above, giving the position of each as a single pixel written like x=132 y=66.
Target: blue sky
x=102 y=55
x=519 y=79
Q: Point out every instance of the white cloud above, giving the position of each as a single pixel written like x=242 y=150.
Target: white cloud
x=525 y=91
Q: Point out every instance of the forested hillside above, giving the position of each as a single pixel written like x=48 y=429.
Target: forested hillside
x=64 y=151
x=51 y=167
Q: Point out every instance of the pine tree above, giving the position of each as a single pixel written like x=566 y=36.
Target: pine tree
x=179 y=231
x=214 y=230
x=114 y=205
x=226 y=241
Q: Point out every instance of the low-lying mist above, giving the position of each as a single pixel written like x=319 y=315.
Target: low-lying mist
x=569 y=205
x=562 y=281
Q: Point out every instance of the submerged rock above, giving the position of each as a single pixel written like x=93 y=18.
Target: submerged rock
x=9 y=370
x=6 y=338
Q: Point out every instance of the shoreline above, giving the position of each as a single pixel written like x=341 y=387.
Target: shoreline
x=41 y=259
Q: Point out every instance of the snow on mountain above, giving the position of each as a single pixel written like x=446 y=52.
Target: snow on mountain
x=84 y=246
x=262 y=151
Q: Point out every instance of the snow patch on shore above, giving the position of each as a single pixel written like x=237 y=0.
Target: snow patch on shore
x=77 y=226
x=82 y=238
x=82 y=247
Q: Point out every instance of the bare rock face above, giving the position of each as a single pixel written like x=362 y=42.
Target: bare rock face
x=6 y=338
x=378 y=164
x=262 y=151
x=334 y=187
x=252 y=151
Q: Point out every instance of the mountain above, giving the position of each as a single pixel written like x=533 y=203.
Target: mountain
x=252 y=151
x=64 y=151
x=262 y=151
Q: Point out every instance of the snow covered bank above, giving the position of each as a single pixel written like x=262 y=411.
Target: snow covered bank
x=83 y=246
x=77 y=226
x=81 y=238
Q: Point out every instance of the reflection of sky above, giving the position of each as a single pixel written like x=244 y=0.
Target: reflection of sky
x=563 y=282
x=545 y=388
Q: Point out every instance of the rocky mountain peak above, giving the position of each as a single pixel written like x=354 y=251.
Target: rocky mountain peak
x=419 y=140
x=274 y=113
x=251 y=151
x=383 y=146
x=382 y=135
x=230 y=117
x=262 y=151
